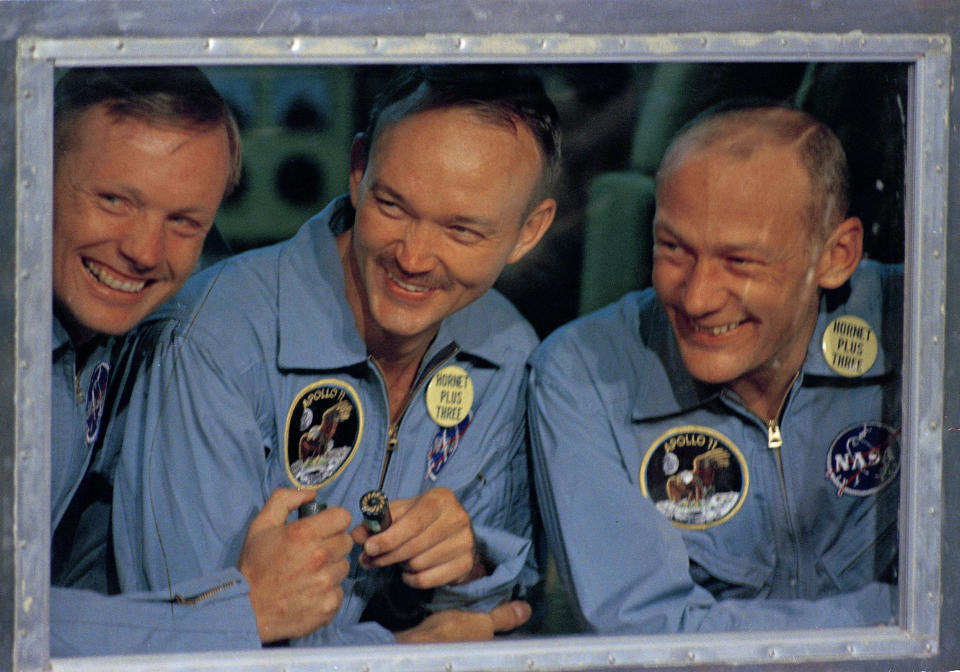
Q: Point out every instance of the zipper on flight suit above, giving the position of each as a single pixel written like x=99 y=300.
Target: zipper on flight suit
x=394 y=431
x=200 y=597
x=774 y=443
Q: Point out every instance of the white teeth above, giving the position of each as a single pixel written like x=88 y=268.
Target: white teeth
x=716 y=331
x=111 y=281
x=408 y=286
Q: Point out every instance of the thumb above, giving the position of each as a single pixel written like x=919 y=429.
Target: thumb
x=278 y=507
x=510 y=615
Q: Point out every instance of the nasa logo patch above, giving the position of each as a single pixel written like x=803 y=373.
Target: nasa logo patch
x=324 y=426
x=446 y=441
x=96 y=398
x=695 y=476
x=863 y=458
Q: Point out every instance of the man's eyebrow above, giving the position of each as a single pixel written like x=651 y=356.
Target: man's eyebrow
x=140 y=198
x=380 y=189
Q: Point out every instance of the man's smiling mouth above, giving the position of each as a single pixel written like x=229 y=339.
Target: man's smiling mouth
x=420 y=289
x=105 y=277
x=716 y=331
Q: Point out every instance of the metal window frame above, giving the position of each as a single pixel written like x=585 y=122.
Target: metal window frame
x=928 y=632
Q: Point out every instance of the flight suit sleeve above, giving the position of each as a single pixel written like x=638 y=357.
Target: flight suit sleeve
x=209 y=614
x=187 y=481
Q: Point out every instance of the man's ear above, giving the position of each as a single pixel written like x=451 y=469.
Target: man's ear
x=533 y=228
x=841 y=254
x=358 y=164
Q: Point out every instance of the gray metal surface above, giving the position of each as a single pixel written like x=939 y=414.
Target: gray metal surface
x=37 y=36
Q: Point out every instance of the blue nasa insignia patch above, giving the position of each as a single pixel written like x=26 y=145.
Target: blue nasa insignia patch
x=96 y=397
x=863 y=458
x=444 y=444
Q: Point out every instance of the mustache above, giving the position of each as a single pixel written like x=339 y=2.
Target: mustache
x=427 y=280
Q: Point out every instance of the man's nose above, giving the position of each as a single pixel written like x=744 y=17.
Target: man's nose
x=143 y=243
x=703 y=289
x=417 y=247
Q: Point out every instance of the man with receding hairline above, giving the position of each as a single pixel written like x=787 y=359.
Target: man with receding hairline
x=368 y=353
x=731 y=433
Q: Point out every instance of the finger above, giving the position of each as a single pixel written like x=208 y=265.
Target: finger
x=510 y=615
x=439 y=575
x=404 y=539
x=331 y=521
x=278 y=507
x=459 y=550
x=360 y=534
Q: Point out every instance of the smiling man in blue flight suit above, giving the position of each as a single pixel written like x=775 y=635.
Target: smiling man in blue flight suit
x=365 y=353
x=720 y=452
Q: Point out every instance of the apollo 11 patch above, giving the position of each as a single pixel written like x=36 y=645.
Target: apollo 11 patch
x=695 y=476
x=863 y=458
x=324 y=426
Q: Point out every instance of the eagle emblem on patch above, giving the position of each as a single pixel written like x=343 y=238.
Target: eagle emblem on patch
x=863 y=458
x=695 y=476
x=324 y=426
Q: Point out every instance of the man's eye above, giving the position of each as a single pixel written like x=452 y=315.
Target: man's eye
x=463 y=234
x=110 y=201
x=388 y=207
x=186 y=226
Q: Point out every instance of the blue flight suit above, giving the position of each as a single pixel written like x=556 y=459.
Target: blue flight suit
x=670 y=507
x=263 y=374
x=86 y=403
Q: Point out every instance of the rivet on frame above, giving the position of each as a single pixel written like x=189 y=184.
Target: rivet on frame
x=459 y=43
x=611 y=659
x=936 y=254
x=376 y=43
x=932 y=511
x=531 y=663
x=932 y=597
x=293 y=44
x=24 y=275
x=939 y=82
x=928 y=647
x=932 y=425
x=208 y=44
x=691 y=655
x=783 y=42
x=771 y=653
x=703 y=41
x=622 y=43
x=543 y=44
x=448 y=667
x=120 y=45
x=863 y=42
x=939 y=169
x=849 y=649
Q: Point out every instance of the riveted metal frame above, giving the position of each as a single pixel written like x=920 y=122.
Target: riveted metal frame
x=927 y=631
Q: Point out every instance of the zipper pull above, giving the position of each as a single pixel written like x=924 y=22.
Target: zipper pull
x=774 y=438
x=392 y=441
